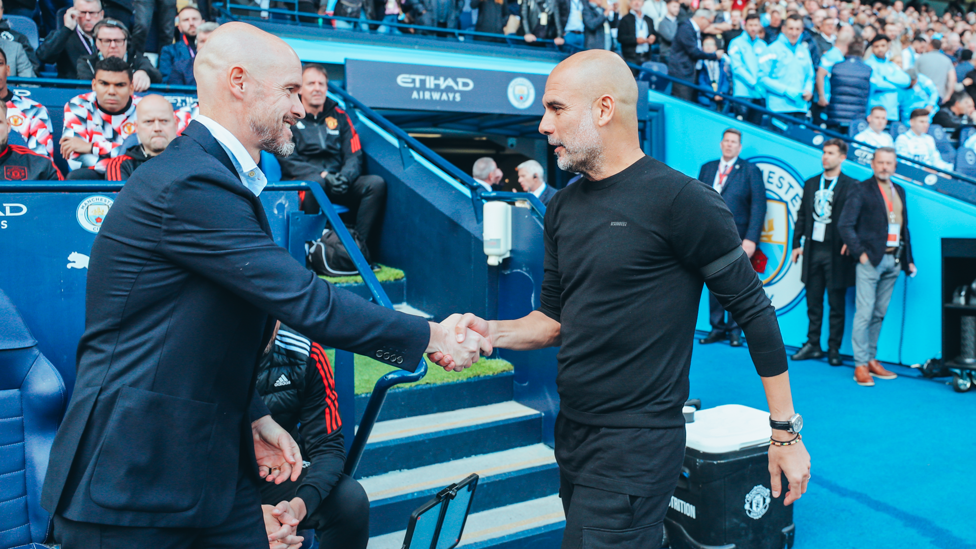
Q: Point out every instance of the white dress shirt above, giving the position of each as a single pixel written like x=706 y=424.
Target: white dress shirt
x=251 y=176
x=642 y=32
x=726 y=168
x=875 y=139
x=538 y=192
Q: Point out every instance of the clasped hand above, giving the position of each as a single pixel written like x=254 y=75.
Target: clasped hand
x=447 y=351
x=281 y=524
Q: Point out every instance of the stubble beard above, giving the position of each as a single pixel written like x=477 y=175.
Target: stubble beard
x=584 y=154
x=272 y=135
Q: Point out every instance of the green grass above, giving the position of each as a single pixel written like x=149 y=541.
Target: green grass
x=368 y=371
x=385 y=274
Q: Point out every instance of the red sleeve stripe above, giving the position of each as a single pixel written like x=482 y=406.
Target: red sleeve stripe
x=113 y=168
x=333 y=420
x=354 y=144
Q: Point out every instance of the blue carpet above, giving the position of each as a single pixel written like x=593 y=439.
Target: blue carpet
x=893 y=465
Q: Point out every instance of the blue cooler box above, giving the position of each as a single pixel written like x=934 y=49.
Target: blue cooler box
x=723 y=499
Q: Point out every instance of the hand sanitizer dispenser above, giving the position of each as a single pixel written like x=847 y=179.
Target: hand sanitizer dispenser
x=497 y=232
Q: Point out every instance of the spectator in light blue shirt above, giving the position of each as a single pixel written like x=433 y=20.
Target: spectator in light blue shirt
x=745 y=54
x=787 y=71
x=887 y=78
x=922 y=94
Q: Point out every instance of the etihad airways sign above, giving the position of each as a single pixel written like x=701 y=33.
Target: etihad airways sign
x=428 y=88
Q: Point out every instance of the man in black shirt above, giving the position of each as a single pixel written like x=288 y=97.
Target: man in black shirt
x=824 y=265
x=627 y=251
x=20 y=163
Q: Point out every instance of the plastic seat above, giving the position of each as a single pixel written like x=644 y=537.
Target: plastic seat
x=32 y=403
x=898 y=128
x=964 y=133
x=657 y=83
x=272 y=170
x=25 y=26
x=966 y=162
x=856 y=127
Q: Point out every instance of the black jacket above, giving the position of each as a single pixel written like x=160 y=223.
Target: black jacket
x=65 y=47
x=492 y=15
x=593 y=33
x=627 y=36
x=685 y=53
x=122 y=166
x=296 y=382
x=532 y=11
x=184 y=281
x=85 y=67
x=864 y=223
x=22 y=164
x=326 y=142
x=848 y=93
x=8 y=33
x=950 y=120
x=841 y=266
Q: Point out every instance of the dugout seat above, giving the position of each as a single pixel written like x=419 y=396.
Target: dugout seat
x=856 y=127
x=32 y=403
x=25 y=26
x=656 y=82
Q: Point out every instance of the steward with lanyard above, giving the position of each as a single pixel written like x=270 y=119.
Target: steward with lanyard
x=67 y=44
x=874 y=227
x=824 y=265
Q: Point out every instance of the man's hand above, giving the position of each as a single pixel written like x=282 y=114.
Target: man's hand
x=911 y=269
x=641 y=40
x=843 y=250
x=452 y=352
x=529 y=38
x=140 y=81
x=71 y=18
x=807 y=96
x=796 y=254
x=864 y=258
x=822 y=101
x=278 y=456
x=336 y=184
x=559 y=41
x=281 y=523
x=794 y=462
x=651 y=38
x=74 y=145
x=720 y=54
x=749 y=247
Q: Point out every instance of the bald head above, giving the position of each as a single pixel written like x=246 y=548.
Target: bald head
x=591 y=112
x=156 y=124
x=248 y=81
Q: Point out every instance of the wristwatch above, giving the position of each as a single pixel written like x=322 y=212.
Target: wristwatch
x=793 y=425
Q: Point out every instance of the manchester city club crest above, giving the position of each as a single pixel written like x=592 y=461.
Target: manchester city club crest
x=92 y=211
x=521 y=93
x=784 y=192
x=757 y=502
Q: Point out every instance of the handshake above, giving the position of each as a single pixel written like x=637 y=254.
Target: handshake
x=458 y=342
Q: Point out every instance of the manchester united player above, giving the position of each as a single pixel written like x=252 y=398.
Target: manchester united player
x=20 y=163
x=96 y=123
x=26 y=116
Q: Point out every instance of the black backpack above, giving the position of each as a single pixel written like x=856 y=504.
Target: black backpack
x=327 y=256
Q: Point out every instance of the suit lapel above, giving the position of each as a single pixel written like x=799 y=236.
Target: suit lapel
x=732 y=173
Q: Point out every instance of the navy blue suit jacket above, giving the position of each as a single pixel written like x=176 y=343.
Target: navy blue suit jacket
x=547 y=195
x=685 y=52
x=184 y=282
x=864 y=223
x=744 y=193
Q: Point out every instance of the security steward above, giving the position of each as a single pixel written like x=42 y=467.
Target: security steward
x=825 y=265
x=295 y=380
x=156 y=128
x=20 y=163
x=327 y=151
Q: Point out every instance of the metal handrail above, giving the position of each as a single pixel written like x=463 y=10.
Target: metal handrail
x=511 y=40
x=391 y=379
x=537 y=206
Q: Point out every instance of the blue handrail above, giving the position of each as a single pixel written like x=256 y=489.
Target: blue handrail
x=22 y=82
x=396 y=377
x=537 y=206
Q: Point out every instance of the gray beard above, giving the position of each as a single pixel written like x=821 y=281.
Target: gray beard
x=586 y=154
x=270 y=140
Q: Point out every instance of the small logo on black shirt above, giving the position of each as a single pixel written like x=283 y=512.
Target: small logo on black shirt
x=618 y=223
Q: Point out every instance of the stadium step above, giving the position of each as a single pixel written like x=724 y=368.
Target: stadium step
x=535 y=524
x=440 y=437
x=507 y=477
x=418 y=400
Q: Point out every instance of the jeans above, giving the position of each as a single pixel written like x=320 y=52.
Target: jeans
x=575 y=39
x=874 y=288
x=391 y=18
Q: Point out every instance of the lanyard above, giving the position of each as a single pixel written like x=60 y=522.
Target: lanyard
x=832 y=185
x=888 y=203
x=193 y=54
x=83 y=38
x=723 y=175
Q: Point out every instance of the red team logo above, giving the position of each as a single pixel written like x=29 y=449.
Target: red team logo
x=16 y=121
x=331 y=123
x=15 y=173
x=128 y=128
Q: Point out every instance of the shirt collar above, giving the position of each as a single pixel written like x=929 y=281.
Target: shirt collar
x=251 y=175
x=538 y=192
x=695 y=25
x=723 y=163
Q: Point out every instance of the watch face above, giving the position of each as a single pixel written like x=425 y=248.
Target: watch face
x=796 y=423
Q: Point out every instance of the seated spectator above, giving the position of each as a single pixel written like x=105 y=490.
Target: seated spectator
x=7 y=33
x=25 y=116
x=96 y=123
x=714 y=75
x=486 y=172
x=185 y=48
x=156 y=128
x=327 y=151
x=20 y=163
x=918 y=145
x=887 y=78
x=635 y=32
x=532 y=179
x=543 y=19
x=788 y=71
x=922 y=94
x=295 y=380
x=745 y=51
x=69 y=43
x=18 y=63
x=875 y=134
x=111 y=38
x=182 y=71
x=965 y=64
x=955 y=113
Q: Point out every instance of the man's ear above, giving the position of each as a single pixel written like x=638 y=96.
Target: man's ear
x=606 y=105
x=236 y=77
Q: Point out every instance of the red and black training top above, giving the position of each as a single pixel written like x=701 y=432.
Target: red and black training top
x=22 y=164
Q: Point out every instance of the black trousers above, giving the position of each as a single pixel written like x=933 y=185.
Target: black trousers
x=597 y=519
x=365 y=199
x=718 y=317
x=750 y=115
x=242 y=529
x=142 y=17
x=819 y=279
x=684 y=92
x=341 y=520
